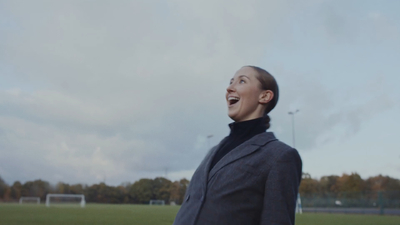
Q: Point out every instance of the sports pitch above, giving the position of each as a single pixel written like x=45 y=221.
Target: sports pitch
x=103 y=214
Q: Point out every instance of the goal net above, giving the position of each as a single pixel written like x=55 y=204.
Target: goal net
x=65 y=198
x=157 y=202
x=29 y=200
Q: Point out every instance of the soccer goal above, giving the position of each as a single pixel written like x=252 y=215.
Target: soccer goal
x=299 y=209
x=29 y=199
x=157 y=202
x=64 y=197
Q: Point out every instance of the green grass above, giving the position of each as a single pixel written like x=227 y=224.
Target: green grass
x=101 y=214
x=345 y=219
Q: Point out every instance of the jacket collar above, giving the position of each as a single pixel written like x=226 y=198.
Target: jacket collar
x=244 y=149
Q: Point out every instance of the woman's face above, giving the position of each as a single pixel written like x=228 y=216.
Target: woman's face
x=245 y=97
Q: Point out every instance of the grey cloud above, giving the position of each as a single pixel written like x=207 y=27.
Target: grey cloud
x=129 y=89
x=346 y=24
x=324 y=113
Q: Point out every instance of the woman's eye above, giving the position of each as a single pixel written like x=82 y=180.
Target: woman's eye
x=241 y=81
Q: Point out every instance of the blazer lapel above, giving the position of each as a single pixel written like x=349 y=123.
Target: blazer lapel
x=208 y=160
x=240 y=151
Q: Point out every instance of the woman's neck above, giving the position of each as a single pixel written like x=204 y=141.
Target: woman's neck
x=247 y=127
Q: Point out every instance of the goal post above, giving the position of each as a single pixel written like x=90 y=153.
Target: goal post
x=49 y=196
x=157 y=202
x=299 y=209
x=34 y=199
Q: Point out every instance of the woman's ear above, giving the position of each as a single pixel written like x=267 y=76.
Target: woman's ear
x=266 y=96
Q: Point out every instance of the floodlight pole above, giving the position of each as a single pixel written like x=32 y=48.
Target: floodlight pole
x=292 y=114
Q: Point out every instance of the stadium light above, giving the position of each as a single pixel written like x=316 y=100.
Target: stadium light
x=292 y=114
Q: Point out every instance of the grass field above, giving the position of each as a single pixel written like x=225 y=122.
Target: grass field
x=101 y=214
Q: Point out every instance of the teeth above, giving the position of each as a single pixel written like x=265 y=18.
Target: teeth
x=233 y=98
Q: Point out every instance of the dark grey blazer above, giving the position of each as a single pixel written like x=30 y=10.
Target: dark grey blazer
x=255 y=183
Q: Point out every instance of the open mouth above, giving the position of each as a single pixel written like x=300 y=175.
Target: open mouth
x=233 y=100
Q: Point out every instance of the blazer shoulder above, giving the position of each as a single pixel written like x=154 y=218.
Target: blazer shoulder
x=281 y=151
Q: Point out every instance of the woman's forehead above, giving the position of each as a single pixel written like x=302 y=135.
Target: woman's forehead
x=248 y=71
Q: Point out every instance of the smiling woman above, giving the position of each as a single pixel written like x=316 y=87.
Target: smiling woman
x=258 y=91
x=249 y=177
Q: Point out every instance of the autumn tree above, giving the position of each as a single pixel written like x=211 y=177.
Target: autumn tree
x=382 y=183
x=123 y=191
x=328 y=184
x=3 y=188
x=76 y=189
x=36 y=188
x=183 y=184
x=62 y=188
x=162 y=189
x=389 y=186
x=350 y=183
x=142 y=191
x=351 y=186
x=309 y=186
x=16 y=190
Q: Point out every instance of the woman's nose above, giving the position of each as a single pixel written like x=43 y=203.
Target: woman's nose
x=230 y=88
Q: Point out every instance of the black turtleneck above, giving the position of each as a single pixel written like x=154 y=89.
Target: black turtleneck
x=240 y=132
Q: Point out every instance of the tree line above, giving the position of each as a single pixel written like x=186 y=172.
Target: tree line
x=140 y=192
x=144 y=190
x=349 y=185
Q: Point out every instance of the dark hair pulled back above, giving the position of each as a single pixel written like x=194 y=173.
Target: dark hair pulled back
x=268 y=82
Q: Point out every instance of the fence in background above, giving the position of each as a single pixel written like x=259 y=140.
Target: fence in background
x=370 y=202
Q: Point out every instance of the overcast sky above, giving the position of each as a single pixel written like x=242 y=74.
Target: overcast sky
x=123 y=90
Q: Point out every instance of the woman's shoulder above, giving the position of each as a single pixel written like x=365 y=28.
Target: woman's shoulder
x=268 y=140
x=276 y=148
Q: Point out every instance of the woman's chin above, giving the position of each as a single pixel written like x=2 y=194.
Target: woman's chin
x=233 y=116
